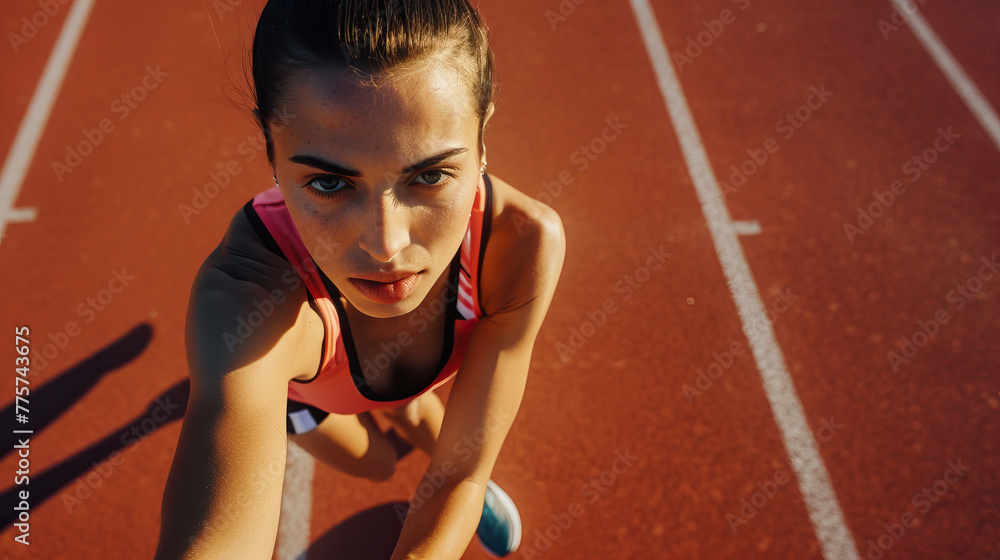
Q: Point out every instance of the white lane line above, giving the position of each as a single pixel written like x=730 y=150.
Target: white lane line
x=296 y=505
x=835 y=540
x=966 y=88
x=747 y=227
x=23 y=150
x=23 y=214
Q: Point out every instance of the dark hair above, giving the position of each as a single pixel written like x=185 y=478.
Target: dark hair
x=374 y=38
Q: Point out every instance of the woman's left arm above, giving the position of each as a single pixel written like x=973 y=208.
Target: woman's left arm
x=487 y=392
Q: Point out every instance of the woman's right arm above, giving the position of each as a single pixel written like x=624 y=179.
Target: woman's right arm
x=223 y=493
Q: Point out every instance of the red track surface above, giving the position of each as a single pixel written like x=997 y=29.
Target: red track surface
x=622 y=389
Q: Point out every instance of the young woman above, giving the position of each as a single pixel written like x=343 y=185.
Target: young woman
x=384 y=262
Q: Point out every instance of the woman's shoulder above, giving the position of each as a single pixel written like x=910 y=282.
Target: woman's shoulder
x=247 y=303
x=243 y=254
x=528 y=233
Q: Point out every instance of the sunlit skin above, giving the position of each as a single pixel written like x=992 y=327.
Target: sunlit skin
x=383 y=220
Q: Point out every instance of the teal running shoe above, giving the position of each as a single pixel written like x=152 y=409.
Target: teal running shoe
x=499 y=529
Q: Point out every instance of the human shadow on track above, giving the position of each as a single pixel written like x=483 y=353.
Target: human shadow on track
x=58 y=395
x=68 y=388
x=369 y=535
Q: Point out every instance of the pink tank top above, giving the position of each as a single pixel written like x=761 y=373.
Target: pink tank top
x=340 y=386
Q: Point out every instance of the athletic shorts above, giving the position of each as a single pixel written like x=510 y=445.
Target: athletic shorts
x=303 y=417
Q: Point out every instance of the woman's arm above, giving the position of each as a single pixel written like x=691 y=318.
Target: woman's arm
x=487 y=392
x=223 y=493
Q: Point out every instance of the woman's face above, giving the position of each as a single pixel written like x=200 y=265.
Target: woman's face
x=380 y=182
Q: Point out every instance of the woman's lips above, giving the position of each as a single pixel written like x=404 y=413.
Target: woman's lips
x=381 y=292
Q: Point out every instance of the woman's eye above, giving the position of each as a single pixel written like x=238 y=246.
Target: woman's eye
x=326 y=185
x=331 y=185
x=434 y=174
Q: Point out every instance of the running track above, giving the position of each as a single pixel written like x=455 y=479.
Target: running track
x=834 y=463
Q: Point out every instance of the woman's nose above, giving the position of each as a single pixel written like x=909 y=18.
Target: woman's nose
x=385 y=232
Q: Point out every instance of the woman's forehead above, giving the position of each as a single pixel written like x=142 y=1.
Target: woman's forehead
x=410 y=114
x=429 y=91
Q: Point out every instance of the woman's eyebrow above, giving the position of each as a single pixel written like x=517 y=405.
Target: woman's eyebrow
x=320 y=163
x=330 y=167
x=433 y=160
